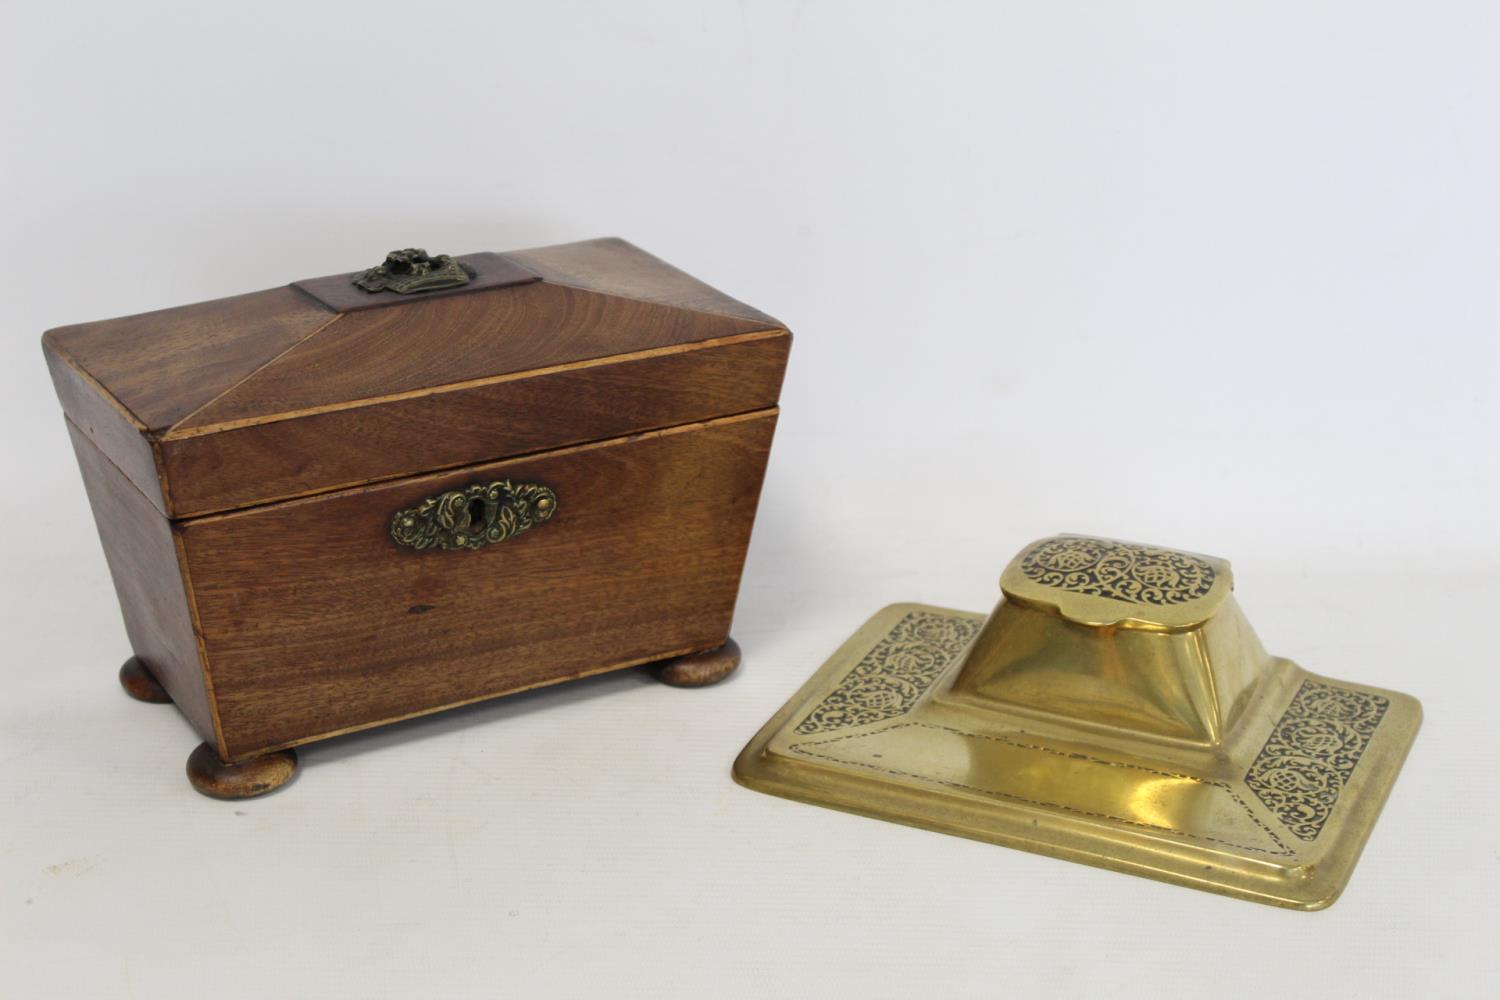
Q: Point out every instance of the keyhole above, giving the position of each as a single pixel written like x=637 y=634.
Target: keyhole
x=476 y=512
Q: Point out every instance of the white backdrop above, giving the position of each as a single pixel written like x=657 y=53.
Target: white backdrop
x=1215 y=276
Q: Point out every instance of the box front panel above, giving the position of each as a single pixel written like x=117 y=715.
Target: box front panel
x=387 y=439
x=316 y=621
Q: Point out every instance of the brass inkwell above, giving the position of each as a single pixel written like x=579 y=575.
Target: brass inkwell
x=1116 y=709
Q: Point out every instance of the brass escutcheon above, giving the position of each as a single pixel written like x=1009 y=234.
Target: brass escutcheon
x=473 y=517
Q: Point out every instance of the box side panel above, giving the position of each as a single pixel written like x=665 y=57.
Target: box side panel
x=571 y=404
x=316 y=622
x=107 y=424
x=143 y=561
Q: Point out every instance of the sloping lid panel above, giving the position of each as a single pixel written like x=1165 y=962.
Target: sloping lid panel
x=615 y=267
x=308 y=388
x=428 y=344
x=163 y=365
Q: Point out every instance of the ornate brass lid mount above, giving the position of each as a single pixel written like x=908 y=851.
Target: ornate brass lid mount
x=1115 y=708
x=410 y=271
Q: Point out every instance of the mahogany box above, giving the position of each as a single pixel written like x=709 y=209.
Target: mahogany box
x=356 y=499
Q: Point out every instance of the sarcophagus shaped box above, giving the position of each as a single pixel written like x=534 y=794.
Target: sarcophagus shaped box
x=361 y=498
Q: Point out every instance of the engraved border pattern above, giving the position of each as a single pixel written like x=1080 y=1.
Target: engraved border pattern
x=890 y=678
x=1135 y=574
x=1313 y=751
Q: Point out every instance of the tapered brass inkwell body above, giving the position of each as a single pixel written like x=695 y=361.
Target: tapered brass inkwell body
x=1117 y=709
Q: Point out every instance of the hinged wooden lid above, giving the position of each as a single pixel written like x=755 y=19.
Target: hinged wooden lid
x=321 y=385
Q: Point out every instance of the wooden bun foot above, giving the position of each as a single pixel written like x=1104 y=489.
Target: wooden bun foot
x=140 y=685
x=244 y=780
x=699 y=669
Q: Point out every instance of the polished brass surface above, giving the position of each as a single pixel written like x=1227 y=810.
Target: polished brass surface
x=411 y=270
x=473 y=517
x=1117 y=709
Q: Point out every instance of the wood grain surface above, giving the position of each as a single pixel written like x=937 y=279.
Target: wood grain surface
x=114 y=430
x=163 y=365
x=429 y=343
x=617 y=267
x=315 y=622
x=143 y=562
x=268 y=396
x=244 y=458
x=125 y=381
x=427 y=431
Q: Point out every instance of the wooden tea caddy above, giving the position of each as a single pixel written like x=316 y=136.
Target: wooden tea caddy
x=366 y=497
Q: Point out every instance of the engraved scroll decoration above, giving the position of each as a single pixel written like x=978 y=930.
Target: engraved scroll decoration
x=891 y=677
x=1312 y=753
x=472 y=518
x=1136 y=574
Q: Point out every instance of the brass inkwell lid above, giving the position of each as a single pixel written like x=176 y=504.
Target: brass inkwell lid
x=1116 y=709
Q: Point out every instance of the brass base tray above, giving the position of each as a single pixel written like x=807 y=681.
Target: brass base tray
x=1276 y=811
